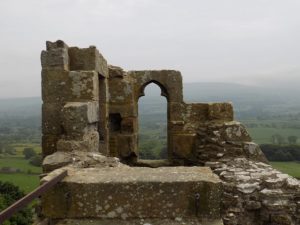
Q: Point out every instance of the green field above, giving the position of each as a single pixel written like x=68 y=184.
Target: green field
x=27 y=182
x=19 y=163
x=262 y=135
x=291 y=168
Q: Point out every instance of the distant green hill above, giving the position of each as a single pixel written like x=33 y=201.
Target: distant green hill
x=248 y=101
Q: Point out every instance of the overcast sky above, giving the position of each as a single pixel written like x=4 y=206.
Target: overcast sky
x=241 y=41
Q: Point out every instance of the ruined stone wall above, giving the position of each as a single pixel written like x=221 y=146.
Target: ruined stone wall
x=91 y=108
x=197 y=132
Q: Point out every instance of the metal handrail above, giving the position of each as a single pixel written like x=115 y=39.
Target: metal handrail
x=8 y=212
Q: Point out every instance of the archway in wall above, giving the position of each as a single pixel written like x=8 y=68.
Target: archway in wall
x=153 y=131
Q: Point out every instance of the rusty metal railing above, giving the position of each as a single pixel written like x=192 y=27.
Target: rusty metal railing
x=7 y=213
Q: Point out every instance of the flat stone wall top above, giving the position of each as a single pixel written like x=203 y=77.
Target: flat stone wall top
x=140 y=174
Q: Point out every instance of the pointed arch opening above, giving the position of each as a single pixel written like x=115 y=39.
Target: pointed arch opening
x=153 y=122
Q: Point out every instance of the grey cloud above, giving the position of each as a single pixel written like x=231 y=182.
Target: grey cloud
x=217 y=40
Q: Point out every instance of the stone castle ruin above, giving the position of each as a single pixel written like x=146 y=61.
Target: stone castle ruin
x=214 y=173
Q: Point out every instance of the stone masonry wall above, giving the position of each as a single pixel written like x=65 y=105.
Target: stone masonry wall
x=90 y=110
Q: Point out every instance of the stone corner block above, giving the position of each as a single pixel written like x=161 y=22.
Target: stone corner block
x=77 y=116
x=55 y=58
x=88 y=59
x=57 y=44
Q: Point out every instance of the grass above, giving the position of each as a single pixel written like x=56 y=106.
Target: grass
x=291 y=168
x=25 y=182
x=262 y=135
x=19 y=163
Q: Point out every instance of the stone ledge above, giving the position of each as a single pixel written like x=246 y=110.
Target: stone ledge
x=134 y=192
x=176 y=221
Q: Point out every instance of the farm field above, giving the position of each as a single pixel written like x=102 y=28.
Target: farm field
x=291 y=168
x=25 y=182
x=262 y=135
x=28 y=176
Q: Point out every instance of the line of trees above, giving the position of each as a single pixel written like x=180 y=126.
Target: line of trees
x=278 y=139
x=34 y=158
x=281 y=153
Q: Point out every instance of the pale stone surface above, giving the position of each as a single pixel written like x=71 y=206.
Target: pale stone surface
x=77 y=116
x=124 y=193
x=84 y=86
x=56 y=160
x=79 y=159
x=88 y=143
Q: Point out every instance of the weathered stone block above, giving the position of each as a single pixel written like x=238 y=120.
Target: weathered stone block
x=51 y=118
x=135 y=192
x=115 y=71
x=196 y=112
x=56 y=160
x=120 y=91
x=88 y=59
x=84 y=86
x=88 y=143
x=57 y=44
x=49 y=144
x=129 y=125
x=234 y=131
x=220 y=111
x=55 y=84
x=78 y=115
x=183 y=145
x=126 y=144
x=125 y=110
x=253 y=151
x=177 y=111
x=55 y=58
